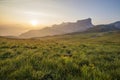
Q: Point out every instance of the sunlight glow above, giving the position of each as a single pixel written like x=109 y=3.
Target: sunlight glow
x=34 y=22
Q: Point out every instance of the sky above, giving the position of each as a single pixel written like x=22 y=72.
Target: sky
x=18 y=16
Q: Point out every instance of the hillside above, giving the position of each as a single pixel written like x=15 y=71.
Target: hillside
x=84 y=56
x=64 y=28
x=71 y=28
x=105 y=28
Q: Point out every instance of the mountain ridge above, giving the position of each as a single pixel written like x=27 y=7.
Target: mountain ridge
x=105 y=27
x=72 y=27
x=64 y=28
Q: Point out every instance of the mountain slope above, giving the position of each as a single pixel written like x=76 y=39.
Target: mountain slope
x=64 y=28
x=72 y=28
x=105 y=28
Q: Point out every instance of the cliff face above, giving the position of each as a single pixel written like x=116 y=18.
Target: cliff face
x=64 y=28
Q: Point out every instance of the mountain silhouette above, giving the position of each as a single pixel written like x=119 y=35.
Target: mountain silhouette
x=64 y=28
x=72 y=27
x=105 y=28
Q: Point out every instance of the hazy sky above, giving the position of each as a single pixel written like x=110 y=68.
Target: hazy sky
x=26 y=13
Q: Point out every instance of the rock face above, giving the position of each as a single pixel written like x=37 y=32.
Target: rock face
x=116 y=25
x=64 y=28
x=105 y=28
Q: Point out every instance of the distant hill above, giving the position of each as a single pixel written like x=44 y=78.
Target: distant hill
x=84 y=26
x=105 y=28
x=64 y=28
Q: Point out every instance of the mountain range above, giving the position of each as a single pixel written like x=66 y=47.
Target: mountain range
x=64 y=28
x=72 y=27
x=105 y=27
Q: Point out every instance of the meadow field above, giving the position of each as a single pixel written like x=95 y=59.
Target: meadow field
x=79 y=56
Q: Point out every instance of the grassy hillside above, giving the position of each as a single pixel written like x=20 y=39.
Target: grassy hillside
x=84 y=56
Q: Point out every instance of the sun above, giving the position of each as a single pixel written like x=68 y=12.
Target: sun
x=34 y=22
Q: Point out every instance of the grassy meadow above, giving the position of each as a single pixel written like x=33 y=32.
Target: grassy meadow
x=80 y=56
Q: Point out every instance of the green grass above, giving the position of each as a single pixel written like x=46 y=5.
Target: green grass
x=95 y=56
